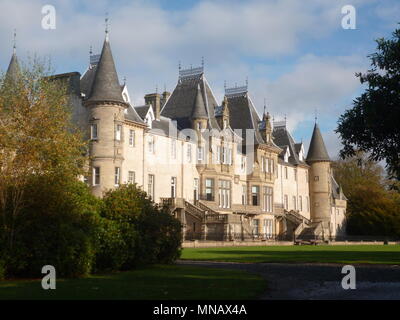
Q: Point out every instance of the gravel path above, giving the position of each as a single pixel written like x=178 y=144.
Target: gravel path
x=318 y=281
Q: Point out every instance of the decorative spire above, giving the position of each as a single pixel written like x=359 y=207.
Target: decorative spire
x=202 y=62
x=107 y=24
x=15 y=42
x=13 y=69
x=106 y=86
x=317 y=150
x=316 y=116
x=199 y=110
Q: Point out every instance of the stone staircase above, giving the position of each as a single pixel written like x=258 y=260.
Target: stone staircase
x=311 y=233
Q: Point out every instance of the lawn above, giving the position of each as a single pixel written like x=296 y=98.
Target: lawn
x=153 y=283
x=350 y=254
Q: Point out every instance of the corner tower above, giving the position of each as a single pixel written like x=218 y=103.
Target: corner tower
x=106 y=107
x=319 y=180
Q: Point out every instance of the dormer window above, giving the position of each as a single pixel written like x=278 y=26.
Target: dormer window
x=198 y=125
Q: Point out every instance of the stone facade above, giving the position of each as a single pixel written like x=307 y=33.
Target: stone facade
x=224 y=171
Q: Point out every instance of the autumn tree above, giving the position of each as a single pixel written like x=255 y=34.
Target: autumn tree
x=37 y=138
x=373 y=208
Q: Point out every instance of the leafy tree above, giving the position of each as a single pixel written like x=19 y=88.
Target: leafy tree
x=373 y=209
x=136 y=231
x=37 y=138
x=372 y=124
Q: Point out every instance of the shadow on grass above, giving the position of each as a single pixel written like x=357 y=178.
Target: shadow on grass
x=157 y=282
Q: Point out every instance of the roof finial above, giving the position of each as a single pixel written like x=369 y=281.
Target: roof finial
x=156 y=88
x=90 y=50
x=225 y=85
x=15 y=41
x=107 y=24
x=124 y=80
x=247 y=81
x=202 y=62
x=316 y=116
x=265 y=105
x=285 y=119
x=165 y=87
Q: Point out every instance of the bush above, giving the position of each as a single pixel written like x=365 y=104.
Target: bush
x=147 y=234
x=57 y=226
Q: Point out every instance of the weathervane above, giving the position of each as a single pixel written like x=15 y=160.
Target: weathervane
x=15 y=41
x=107 y=24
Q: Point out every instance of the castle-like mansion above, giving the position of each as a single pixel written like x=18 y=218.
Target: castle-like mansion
x=224 y=171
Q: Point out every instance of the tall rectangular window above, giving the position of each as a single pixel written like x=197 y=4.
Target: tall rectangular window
x=285 y=202
x=244 y=195
x=267 y=199
x=200 y=153
x=224 y=194
x=150 y=143
x=255 y=195
x=210 y=189
x=300 y=203
x=286 y=172
x=117 y=176
x=173 y=149
x=93 y=131
x=150 y=186
x=173 y=187
x=196 y=189
x=295 y=174
x=255 y=226
x=243 y=163
x=294 y=203
x=308 y=203
x=131 y=138
x=189 y=153
x=118 y=132
x=218 y=155
x=96 y=176
x=131 y=177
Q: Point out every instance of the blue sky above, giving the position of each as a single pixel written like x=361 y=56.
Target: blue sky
x=295 y=53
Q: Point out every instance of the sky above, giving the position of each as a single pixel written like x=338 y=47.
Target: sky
x=295 y=54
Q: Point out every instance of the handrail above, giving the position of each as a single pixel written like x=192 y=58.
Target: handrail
x=194 y=210
x=207 y=208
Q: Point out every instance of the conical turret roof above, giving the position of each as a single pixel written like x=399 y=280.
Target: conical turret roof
x=317 y=150
x=106 y=86
x=13 y=68
x=199 y=110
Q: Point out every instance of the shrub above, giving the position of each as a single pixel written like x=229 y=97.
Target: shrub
x=148 y=233
x=57 y=226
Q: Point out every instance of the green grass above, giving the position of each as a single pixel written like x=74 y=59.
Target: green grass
x=155 y=283
x=350 y=254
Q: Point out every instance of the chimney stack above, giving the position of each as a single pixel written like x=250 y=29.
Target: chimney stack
x=155 y=100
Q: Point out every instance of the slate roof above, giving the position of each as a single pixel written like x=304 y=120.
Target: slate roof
x=87 y=80
x=317 y=150
x=336 y=191
x=199 y=110
x=284 y=140
x=181 y=104
x=132 y=115
x=106 y=85
x=243 y=115
x=142 y=111
x=13 y=68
